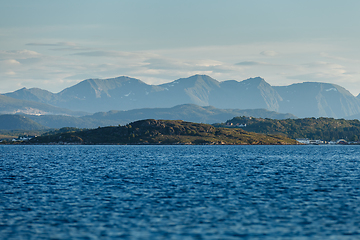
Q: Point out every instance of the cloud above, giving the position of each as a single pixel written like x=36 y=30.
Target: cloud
x=250 y=63
x=309 y=77
x=10 y=73
x=104 y=54
x=179 y=64
x=9 y=65
x=326 y=55
x=269 y=53
x=326 y=69
x=29 y=60
x=81 y=76
x=321 y=64
x=298 y=62
x=58 y=44
x=139 y=56
x=10 y=62
x=165 y=63
x=21 y=54
x=322 y=71
x=208 y=63
x=70 y=49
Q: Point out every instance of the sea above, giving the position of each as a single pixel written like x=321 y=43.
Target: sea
x=179 y=192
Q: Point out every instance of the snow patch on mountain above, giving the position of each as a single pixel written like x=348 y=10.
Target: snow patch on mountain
x=331 y=89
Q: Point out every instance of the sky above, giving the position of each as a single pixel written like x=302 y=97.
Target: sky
x=56 y=44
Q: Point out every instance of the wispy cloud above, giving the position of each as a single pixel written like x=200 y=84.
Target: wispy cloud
x=269 y=53
x=115 y=54
x=343 y=59
x=104 y=54
x=250 y=63
x=316 y=77
x=322 y=71
x=58 y=44
x=10 y=73
x=296 y=63
x=19 y=54
x=10 y=62
x=178 y=64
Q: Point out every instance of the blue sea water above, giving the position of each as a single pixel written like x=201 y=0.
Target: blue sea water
x=180 y=192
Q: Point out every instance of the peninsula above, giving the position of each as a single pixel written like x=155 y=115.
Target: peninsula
x=152 y=131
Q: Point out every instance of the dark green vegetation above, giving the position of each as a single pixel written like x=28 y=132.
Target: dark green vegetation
x=313 y=128
x=162 y=132
x=8 y=135
x=321 y=128
x=63 y=130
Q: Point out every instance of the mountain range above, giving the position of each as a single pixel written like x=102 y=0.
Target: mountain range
x=308 y=99
x=9 y=105
x=187 y=112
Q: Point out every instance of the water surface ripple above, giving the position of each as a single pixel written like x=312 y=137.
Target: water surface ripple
x=179 y=192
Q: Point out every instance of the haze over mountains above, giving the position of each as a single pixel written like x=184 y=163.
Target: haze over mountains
x=309 y=99
x=186 y=112
x=10 y=105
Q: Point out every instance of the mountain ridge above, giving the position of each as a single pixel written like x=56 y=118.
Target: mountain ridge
x=186 y=112
x=307 y=99
x=9 y=105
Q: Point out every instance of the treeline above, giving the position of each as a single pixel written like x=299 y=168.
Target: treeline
x=328 y=129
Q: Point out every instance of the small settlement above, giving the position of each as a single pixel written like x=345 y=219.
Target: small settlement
x=23 y=138
x=321 y=142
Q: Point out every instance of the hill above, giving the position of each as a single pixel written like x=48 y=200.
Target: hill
x=9 y=105
x=162 y=132
x=8 y=135
x=186 y=112
x=11 y=122
x=60 y=121
x=308 y=99
x=327 y=129
x=312 y=99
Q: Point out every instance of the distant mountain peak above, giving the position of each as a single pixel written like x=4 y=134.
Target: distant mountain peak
x=255 y=80
x=197 y=77
x=308 y=99
x=119 y=79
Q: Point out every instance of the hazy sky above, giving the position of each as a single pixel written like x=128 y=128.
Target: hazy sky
x=55 y=44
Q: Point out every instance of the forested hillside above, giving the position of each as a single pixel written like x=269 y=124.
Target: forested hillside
x=152 y=131
x=313 y=128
